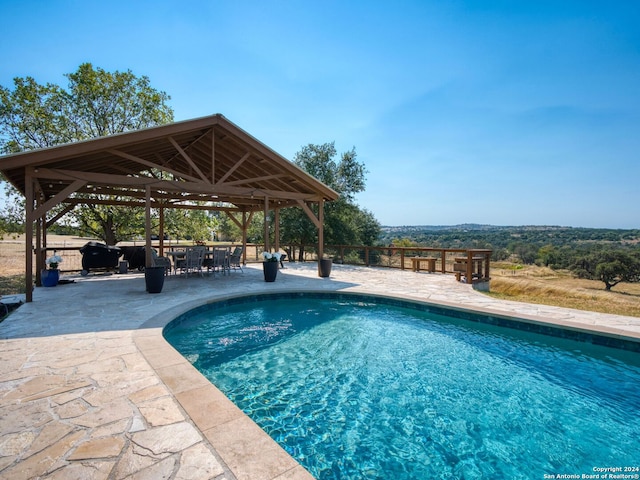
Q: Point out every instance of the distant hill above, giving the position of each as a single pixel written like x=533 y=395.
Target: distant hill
x=471 y=235
x=472 y=226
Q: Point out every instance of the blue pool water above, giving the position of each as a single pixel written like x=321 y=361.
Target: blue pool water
x=362 y=389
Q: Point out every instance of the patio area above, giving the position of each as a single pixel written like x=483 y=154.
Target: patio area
x=90 y=389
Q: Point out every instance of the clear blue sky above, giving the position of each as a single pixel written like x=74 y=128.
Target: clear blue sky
x=497 y=112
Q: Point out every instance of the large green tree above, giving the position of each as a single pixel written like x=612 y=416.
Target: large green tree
x=94 y=104
x=609 y=266
x=345 y=222
x=197 y=225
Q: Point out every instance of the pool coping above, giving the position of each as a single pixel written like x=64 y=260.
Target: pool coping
x=246 y=449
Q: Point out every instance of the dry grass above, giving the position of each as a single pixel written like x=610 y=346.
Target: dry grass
x=549 y=287
x=12 y=259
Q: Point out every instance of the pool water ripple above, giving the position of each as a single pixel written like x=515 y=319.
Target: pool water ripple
x=355 y=390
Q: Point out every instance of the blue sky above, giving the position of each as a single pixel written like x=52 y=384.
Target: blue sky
x=496 y=112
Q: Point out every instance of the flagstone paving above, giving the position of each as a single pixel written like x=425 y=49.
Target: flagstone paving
x=89 y=389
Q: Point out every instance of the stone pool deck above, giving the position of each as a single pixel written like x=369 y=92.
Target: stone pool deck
x=90 y=389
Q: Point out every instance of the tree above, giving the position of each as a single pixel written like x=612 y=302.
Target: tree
x=96 y=103
x=547 y=256
x=190 y=224
x=609 y=266
x=345 y=222
x=347 y=177
x=228 y=231
x=526 y=251
x=109 y=223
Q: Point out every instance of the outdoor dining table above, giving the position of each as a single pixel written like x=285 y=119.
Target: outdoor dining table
x=176 y=254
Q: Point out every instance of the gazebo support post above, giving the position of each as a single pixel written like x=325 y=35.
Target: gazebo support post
x=319 y=223
x=320 y=229
x=276 y=230
x=41 y=242
x=245 y=224
x=147 y=228
x=267 y=244
x=28 y=238
x=161 y=230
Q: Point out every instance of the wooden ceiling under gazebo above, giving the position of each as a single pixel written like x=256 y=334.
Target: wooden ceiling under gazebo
x=207 y=160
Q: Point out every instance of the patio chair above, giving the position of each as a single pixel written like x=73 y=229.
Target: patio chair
x=159 y=261
x=179 y=258
x=220 y=260
x=193 y=260
x=235 y=259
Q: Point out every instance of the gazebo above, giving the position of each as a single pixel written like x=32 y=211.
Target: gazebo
x=207 y=163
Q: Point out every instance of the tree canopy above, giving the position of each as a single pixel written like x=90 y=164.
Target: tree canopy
x=345 y=222
x=96 y=103
x=609 y=266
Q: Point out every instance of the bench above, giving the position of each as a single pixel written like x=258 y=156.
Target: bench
x=460 y=267
x=416 y=261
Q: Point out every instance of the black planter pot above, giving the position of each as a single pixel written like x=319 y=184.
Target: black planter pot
x=270 y=270
x=154 y=279
x=324 y=267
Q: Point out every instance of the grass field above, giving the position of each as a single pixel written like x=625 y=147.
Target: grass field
x=544 y=286
x=529 y=284
x=12 y=259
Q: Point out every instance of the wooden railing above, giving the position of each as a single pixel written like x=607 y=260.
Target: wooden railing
x=464 y=263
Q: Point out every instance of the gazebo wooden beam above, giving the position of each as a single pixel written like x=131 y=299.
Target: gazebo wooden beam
x=59 y=198
x=59 y=215
x=166 y=185
x=310 y=213
x=149 y=164
x=233 y=168
x=254 y=179
x=154 y=204
x=188 y=160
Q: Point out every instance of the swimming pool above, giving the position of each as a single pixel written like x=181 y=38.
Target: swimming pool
x=364 y=387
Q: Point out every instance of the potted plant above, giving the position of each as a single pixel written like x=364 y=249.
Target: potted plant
x=270 y=266
x=51 y=276
x=324 y=267
x=154 y=278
